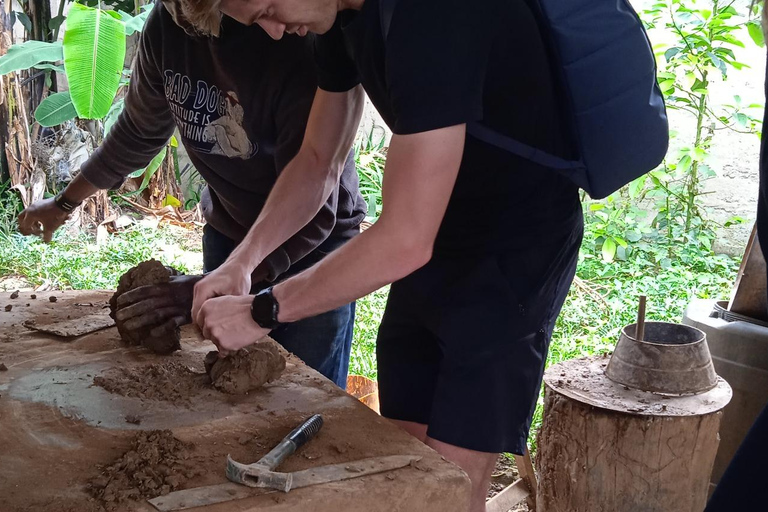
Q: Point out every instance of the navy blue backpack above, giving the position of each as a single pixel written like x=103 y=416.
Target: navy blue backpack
x=607 y=71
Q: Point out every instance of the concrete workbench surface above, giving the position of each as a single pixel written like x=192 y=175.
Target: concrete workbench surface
x=59 y=431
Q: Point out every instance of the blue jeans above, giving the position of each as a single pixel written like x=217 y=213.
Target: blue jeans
x=324 y=341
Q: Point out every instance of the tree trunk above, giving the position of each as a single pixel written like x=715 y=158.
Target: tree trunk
x=597 y=460
x=6 y=39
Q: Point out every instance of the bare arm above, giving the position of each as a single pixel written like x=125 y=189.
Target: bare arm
x=419 y=177
x=300 y=191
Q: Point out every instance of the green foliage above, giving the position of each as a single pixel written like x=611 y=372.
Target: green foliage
x=368 y=313
x=113 y=115
x=370 y=156
x=30 y=54
x=76 y=261
x=10 y=208
x=136 y=23
x=55 y=109
x=94 y=51
x=705 y=37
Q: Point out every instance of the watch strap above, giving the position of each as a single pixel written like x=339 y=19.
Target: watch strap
x=266 y=317
x=65 y=204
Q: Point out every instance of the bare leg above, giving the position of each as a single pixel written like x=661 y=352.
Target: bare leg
x=417 y=430
x=478 y=466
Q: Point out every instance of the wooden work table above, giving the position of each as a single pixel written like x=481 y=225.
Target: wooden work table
x=58 y=430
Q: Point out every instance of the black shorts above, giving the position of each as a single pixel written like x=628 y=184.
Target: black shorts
x=463 y=342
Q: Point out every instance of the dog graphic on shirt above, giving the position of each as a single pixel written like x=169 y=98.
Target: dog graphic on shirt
x=227 y=134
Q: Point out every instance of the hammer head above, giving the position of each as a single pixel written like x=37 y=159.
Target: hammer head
x=257 y=475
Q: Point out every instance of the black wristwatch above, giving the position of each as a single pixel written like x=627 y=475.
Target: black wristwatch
x=65 y=204
x=264 y=309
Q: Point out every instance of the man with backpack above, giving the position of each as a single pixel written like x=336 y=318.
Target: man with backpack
x=241 y=115
x=480 y=243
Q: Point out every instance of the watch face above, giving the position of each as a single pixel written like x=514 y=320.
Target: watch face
x=262 y=310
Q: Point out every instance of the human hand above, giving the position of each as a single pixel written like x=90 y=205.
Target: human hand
x=160 y=307
x=227 y=322
x=229 y=279
x=41 y=219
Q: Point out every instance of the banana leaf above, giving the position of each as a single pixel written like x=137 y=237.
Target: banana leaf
x=28 y=54
x=55 y=109
x=94 y=51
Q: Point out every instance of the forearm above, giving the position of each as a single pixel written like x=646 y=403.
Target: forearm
x=418 y=180
x=345 y=275
x=79 y=189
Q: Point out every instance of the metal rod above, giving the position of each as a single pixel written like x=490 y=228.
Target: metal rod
x=640 y=326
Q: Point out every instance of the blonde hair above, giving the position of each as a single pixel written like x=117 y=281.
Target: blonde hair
x=200 y=16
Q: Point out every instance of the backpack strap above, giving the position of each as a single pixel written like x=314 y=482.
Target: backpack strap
x=494 y=138
x=386 y=11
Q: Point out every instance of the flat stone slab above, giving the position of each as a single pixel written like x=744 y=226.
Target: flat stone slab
x=59 y=429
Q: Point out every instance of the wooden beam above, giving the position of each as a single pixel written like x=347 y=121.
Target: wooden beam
x=508 y=498
x=527 y=474
x=749 y=292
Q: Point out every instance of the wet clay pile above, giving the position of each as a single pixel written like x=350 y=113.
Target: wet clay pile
x=156 y=464
x=170 y=381
x=247 y=369
x=145 y=273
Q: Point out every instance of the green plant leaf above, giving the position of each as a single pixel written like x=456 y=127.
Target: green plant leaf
x=171 y=201
x=55 y=109
x=94 y=51
x=113 y=115
x=27 y=54
x=55 y=22
x=609 y=250
x=756 y=33
x=150 y=169
x=670 y=53
x=135 y=24
x=25 y=21
x=47 y=65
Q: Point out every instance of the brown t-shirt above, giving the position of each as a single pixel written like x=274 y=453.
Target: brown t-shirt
x=241 y=103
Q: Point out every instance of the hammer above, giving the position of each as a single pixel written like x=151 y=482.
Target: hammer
x=261 y=473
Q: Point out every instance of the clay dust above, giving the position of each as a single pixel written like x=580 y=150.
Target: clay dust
x=146 y=273
x=247 y=369
x=156 y=464
x=169 y=381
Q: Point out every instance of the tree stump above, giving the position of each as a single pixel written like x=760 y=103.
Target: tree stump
x=604 y=447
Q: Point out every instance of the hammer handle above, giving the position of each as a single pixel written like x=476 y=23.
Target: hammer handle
x=292 y=442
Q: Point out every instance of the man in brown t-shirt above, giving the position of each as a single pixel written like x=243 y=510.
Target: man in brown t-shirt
x=241 y=103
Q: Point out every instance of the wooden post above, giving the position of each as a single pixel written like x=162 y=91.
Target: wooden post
x=523 y=489
x=749 y=292
x=652 y=457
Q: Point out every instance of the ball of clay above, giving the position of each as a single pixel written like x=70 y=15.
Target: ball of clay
x=247 y=369
x=145 y=273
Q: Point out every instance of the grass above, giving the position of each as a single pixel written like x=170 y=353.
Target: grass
x=76 y=261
